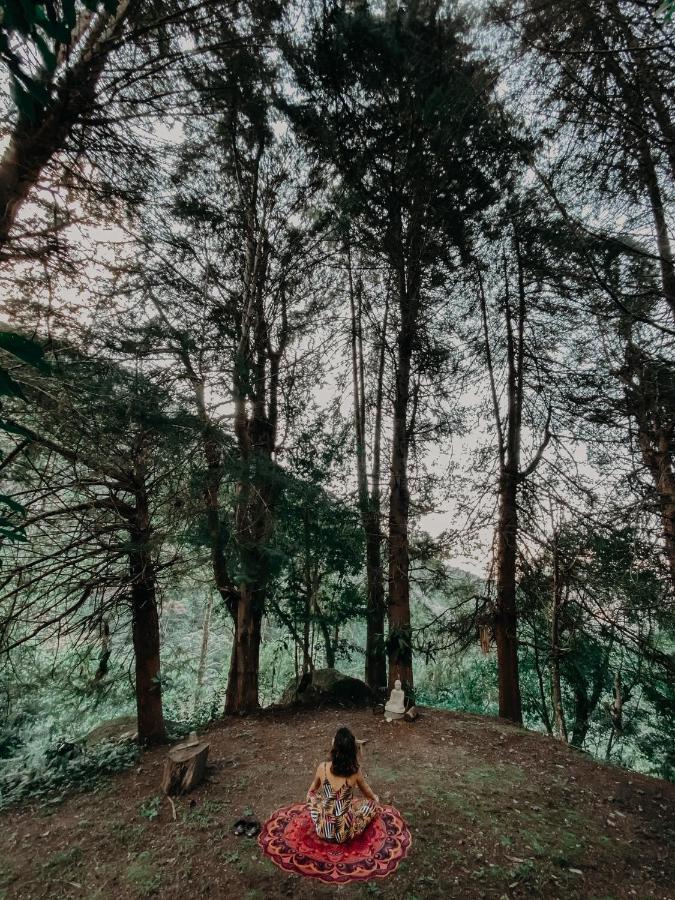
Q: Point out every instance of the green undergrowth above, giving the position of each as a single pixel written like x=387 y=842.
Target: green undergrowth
x=84 y=770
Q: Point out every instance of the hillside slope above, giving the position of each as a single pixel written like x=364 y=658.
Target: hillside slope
x=495 y=811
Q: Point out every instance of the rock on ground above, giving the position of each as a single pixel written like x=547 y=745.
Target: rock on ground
x=327 y=687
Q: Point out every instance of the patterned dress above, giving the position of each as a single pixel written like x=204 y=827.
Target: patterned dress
x=336 y=815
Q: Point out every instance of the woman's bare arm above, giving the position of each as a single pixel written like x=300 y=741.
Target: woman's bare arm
x=316 y=784
x=365 y=789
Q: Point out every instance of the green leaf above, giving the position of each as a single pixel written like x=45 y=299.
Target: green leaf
x=14 y=429
x=48 y=55
x=15 y=534
x=25 y=349
x=19 y=16
x=12 y=504
x=39 y=14
x=56 y=30
x=69 y=16
x=23 y=101
x=9 y=387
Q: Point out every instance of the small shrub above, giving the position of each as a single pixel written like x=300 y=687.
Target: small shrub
x=150 y=808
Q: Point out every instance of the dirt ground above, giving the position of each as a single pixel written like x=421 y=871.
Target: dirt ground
x=495 y=811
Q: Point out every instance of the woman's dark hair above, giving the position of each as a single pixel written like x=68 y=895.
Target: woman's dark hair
x=343 y=754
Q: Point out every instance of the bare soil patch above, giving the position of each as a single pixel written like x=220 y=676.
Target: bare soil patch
x=495 y=811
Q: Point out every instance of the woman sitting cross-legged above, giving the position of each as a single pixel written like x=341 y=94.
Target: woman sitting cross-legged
x=336 y=815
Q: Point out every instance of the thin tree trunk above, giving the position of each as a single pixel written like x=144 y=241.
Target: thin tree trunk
x=400 y=634
x=660 y=224
x=203 y=650
x=306 y=656
x=376 y=657
x=582 y=714
x=325 y=632
x=617 y=704
x=104 y=657
x=213 y=459
x=508 y=447
x=506 y=618
x=556 y=603
x=211 y=495
x=542 y=694
x=369 y=501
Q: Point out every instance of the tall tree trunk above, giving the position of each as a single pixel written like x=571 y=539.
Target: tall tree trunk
x=251 y=524
x=211 y=494
x=213 y=478
x=145 y=622
x=369 y=500
x=242 y=690
x=376 y=657
x=556 y=604
x=306 y=653
x=399 y=639
x=647 y=402
x=254 y=505
x=255 y=395
x=506 y=619
x=506 y=613
x=509 y=436
x=657 y=456
x=665 y=253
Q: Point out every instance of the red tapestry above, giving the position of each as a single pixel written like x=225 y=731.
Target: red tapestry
x=289 y=839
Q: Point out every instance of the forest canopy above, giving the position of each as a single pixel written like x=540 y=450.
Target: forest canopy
x=337 y=336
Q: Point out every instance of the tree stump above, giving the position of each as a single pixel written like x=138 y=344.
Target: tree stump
x=184 y=767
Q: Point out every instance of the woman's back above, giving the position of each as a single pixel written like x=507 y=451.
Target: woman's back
x=336 y=815
x=338 y=783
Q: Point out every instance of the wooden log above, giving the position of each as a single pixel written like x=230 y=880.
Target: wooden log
x=412 y=714
x=184 y=767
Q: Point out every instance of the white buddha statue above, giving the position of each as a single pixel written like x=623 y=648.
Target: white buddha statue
x=395 y=706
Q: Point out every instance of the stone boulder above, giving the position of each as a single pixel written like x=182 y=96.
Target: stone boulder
x=123 y=728
x=327 y=687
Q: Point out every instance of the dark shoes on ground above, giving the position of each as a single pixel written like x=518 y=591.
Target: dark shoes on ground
x=248 y=826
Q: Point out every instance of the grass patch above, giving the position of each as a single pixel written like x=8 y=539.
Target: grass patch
x=127 y=835
x=8 y=874
x=500 y=778
x=143 y=875
x=62 y=860
x=246 y=861
x=207 y=813
x=378 y=774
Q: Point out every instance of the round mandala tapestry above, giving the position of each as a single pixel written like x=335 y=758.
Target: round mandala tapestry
x=289 y=839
